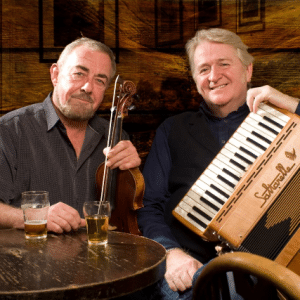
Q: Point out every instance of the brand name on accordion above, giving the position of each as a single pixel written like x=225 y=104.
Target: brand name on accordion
x=270 y=188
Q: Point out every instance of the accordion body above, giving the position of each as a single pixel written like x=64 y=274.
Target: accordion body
x=249 y=196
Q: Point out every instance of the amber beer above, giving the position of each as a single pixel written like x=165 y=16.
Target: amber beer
x=35 y=229
x=97 y=228
x=35 y=206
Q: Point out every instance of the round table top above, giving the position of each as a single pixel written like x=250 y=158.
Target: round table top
x=66 y=267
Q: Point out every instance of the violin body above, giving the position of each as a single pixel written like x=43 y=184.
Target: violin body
x=130 y=187
x=124 y=189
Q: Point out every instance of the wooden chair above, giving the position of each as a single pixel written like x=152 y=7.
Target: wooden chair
x=255 y=278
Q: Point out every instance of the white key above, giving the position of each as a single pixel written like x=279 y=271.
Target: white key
x=226 y=161
x=249 y=145
x=222 y=166
x=184 y=214
x=254 y=138
x=234 y=149
x=258 y=118
x=219 y=172
x=230 y=155
x=274 y=112
x=249 y=125
x=239 y=144
x=201 y=193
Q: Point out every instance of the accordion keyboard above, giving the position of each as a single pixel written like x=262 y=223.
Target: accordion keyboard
x=216 y=184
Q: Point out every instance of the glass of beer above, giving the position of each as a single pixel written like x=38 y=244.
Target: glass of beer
x=96 y=215
x=35 y=205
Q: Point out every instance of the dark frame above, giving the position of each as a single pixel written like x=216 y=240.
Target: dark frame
x=207 y=13
x=48 y=52
x=250 y=15
x=165 y=38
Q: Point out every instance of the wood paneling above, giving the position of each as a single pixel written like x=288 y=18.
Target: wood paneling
x=138 y=31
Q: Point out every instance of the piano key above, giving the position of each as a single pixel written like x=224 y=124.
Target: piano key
x=243 y=139
x=234 y=159
x=197 y=196
x=233 y=172
x=214 y=177
x=204 y=191
x=189 y=217
x=257 y=133
x=244 y=148
x=231 y=181
x=278 y=114
x=254 y=140
x=226 y=160
x=259 y=119
x=256 y=125
x=190 y=203
x=248 y=159
x=260 y=130
x=216 y=186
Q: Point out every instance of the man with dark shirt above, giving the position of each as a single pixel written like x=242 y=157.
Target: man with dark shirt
x=186 y=144
x=58 y=145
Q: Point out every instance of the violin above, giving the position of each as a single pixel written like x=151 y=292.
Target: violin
x=124 y=189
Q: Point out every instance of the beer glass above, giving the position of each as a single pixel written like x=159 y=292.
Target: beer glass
x=35 y=206
x=97 y=215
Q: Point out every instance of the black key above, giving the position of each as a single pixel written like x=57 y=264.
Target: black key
x=248 y=152
x=268 y=128
x=226 y=181
x=197 y=220
x=273 y=122
x=219 y=191
x=247 y=161
x=261 y=137
x=256 y=144
x=231 y=174
x=237 y=164
x=214 y=197
x=209 y=204
x=203 y=214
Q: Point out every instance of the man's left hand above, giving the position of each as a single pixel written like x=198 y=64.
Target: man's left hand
x=268 y=94
x=124 y=155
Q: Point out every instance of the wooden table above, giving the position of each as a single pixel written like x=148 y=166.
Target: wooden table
x=65 y=267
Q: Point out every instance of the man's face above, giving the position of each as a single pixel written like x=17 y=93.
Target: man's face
x=80 y=83
x=220 y=76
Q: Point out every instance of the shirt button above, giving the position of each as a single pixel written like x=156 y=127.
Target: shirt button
x=223 y=142
x=225 y=121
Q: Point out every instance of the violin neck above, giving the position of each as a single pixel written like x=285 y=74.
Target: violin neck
x=117 y=132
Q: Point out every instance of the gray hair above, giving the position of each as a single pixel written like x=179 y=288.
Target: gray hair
x=218 y=35
x=93 y=45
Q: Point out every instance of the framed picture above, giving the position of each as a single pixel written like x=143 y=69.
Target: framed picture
x=168 y=23
x=207 y=13
x=250 y=15
x=62 y=21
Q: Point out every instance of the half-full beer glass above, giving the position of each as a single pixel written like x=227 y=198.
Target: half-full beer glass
x=35 y=205
x=96 y=215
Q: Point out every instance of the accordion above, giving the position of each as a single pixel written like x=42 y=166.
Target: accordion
x=249 y=195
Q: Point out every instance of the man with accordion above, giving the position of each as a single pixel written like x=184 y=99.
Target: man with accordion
x=187 y=143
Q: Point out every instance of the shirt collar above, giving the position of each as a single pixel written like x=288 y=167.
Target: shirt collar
x=51 y=115
x=242 y=110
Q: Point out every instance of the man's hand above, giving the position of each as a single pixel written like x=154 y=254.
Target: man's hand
x=123 y=155
x=62 y=217
x=268 y=94
x=181 y=268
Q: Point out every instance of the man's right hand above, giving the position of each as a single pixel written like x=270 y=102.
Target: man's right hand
x=62 y=217
x=181 y=268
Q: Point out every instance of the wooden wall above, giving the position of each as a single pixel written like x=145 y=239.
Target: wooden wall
x=148 y=38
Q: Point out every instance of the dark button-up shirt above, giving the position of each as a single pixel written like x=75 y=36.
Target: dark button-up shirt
x=36 y=154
